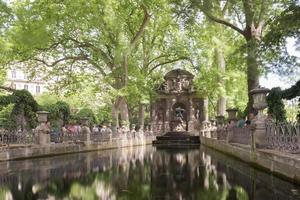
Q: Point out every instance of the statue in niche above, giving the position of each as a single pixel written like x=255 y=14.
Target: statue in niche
x=160 y=115
x=179 y=115
x=197 y=113
x=179 y=112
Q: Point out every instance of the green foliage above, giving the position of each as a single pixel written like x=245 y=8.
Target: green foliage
x=25 y=105
x=59 y=113
x=103 y=114
x=276 y=105
x=24 y=109
x=282 y=27
x=87 y=113
x=275 y=102
x=5 y=120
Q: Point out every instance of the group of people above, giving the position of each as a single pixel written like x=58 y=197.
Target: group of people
x=73 y=129
x=243 y=123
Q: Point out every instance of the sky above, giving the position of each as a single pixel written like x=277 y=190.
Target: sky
x=274 y=80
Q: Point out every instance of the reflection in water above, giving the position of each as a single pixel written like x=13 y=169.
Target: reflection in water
x=140 y=173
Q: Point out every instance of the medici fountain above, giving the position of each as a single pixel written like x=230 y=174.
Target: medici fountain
x=177 y=111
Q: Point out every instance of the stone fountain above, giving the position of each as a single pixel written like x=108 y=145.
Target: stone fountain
x=177 y=111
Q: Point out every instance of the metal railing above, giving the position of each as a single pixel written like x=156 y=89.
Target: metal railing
x=241 y=135
x=18 y=137
x=283 y=136
x=8 y=138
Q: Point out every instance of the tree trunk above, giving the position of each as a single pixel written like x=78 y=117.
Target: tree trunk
x=115 y=115
x=220 y=61
x=123 y=108
x=252 y=70
x=141 y=116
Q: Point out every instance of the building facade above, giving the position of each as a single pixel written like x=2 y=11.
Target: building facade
x=17 y=79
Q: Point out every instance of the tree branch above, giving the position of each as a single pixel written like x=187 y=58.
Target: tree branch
x=171 y=61
x=158 y=57
x=141 y=29
x=225 y=8
x=222 y=21
x=261 y=18
x=108 y=59
x=7 y=89
x=74 y=58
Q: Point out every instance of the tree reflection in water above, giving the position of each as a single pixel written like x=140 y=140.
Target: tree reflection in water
x=139 y=173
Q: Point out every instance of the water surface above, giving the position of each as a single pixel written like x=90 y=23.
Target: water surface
x=141 y=173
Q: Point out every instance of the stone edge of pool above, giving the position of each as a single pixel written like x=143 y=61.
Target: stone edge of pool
x=285 y=166
x=35 y=151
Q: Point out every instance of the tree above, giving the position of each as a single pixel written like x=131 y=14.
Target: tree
x=247 y=18
x=46 y=37
x=115 y=42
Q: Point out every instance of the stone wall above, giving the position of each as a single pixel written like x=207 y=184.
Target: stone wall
x=32 y=151
x=280 y=164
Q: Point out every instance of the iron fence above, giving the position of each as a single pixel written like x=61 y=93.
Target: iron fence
x=283 y=136
x=241 y=135
x=18 y=137
x=221 y=133
x=8 y=138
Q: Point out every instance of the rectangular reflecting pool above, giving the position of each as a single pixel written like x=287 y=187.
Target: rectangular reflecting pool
x=143 y=172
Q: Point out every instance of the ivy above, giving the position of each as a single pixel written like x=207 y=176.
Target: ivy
x=276 y=105
x=275 y=101
x=23 y=113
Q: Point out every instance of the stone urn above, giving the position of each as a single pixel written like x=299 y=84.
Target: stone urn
x=258 y=124
x=232 y=114
x=220 y=120
x=259 y=99
x=42 y=131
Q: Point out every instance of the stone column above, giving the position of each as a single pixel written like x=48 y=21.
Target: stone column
x=168 y=119
x=232 y=122
x=258 y=124
x=85 y=131
x=220 y=120
x=191 y=116
x=42 y=131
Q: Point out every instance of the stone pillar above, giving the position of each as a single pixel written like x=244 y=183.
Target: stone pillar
x=258 y=124
x=85 y=131
x=42 y=131
x=191 y=116
x=220 y=120
x=229 y=130
x=168 y=119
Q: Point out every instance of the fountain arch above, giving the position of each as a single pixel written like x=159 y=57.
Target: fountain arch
x=177 y=92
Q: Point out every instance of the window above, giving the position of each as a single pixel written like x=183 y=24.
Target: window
x=14 y=74
x=26 y=87
x=38 y=89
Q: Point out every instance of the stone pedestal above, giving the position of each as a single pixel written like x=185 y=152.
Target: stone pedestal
x=42 y=131
x=258 y=124
x=258 y=128
x=86 y=135
x=229 y=137
x=85 y=131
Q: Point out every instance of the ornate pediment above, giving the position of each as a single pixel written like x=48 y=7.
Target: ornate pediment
x=177 y=81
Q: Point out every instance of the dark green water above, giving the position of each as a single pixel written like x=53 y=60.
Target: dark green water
x=141 y=173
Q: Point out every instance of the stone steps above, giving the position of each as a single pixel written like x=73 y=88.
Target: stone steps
x=177 y=138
